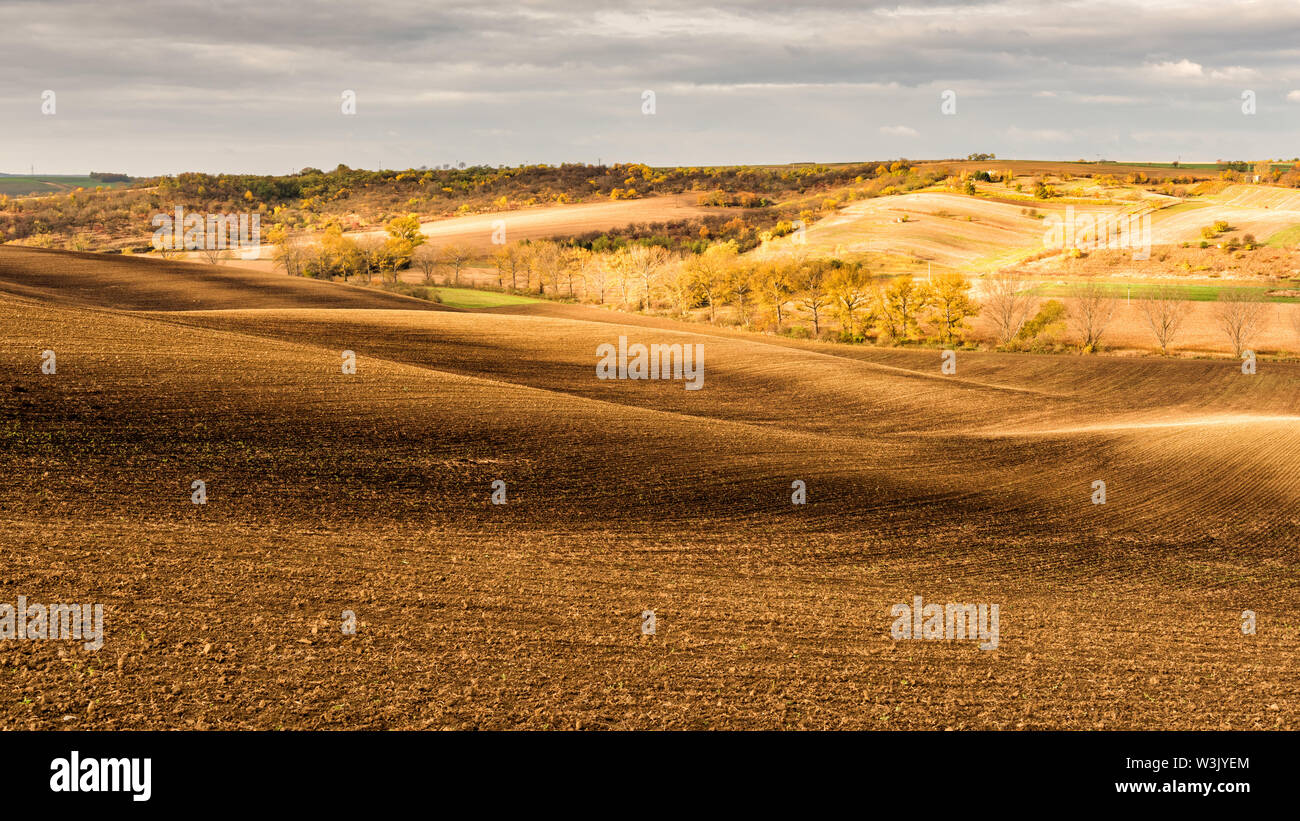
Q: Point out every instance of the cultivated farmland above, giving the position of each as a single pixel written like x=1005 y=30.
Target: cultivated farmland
x=370 y=493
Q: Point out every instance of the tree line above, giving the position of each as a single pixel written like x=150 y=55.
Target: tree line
x=789 y=293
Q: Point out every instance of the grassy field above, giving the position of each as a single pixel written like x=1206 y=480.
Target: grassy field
x=371 y=493
x=1200 y=166
x=1285 y=238
x=50 y=184
x=472 y=298
x=1191 y=293
x=1183 y=207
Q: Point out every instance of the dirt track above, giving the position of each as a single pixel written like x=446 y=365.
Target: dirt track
x=370 y=493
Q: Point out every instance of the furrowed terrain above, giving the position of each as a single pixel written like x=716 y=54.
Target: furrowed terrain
x=370 y=493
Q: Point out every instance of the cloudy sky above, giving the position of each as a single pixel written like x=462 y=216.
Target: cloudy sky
x=231 y=85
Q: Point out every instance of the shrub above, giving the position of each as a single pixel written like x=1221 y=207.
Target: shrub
x=1049 y=320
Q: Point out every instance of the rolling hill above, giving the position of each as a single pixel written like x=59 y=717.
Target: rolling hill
x=370 y=493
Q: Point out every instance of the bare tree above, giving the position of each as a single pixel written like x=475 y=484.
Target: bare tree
x=509 y=259
x=596 y=276
x=622 y=270
x=212 y=256
x=1164 y=310
x=1091 y=310
x=578 y=264
x=456 y=257
x=646 y=264
x=1240 y=313
x=546 y=260
x=1008 y=304
x=167 y=249
x=425 y=260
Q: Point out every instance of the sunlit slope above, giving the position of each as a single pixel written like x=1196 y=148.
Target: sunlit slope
x=822 y=388
x=1007 y=435
x=1008 y=442
x=950 y=230
x=484 y=233
x=1260 y=210
x=478 y=231
x=975 y=233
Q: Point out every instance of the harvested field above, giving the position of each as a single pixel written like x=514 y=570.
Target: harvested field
x=949 y=230
x=476 y=230
x=1248 y=209
x=370 y=493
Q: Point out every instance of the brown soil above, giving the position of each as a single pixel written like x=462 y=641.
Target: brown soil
x=370 y=493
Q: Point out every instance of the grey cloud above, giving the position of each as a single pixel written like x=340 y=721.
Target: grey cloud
x=170 y=86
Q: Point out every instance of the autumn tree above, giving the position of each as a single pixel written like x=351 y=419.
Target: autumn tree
x=336 y=255
x=950 y=304
x=578 y=263
x=680 y=287
x=850 y=288
x=740 y=290
x=372 y=252
x=403 y=238
x=645 y=265
x=546 y=261
x=710 y=272
x=899 y=306
x=812 y=289
x=509 y=260
x=775 y=287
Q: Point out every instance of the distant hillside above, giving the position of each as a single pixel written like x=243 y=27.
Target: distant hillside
x=19 y=185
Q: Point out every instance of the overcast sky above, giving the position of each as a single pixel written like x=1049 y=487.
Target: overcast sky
x=162 y=87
